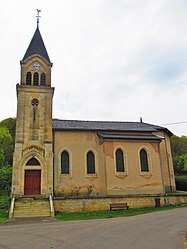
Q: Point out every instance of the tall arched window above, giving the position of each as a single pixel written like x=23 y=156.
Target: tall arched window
x=43 y=79
x=28 y=78
x=90 y=162
x=119 y=161
x=65 y=162
x=36 y=79
x=144 y=161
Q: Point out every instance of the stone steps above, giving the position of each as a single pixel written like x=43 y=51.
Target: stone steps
x=31 y=207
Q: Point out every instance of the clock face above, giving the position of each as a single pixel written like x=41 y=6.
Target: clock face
x=36 y=66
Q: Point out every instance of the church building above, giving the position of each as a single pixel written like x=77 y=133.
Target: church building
x=81 y=159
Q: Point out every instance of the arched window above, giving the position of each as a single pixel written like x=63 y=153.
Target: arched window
x=28 y=78
x=65 y=162
x=36 y=79
x=119 y=161
x=144 y=161
x=90 y=163
x=43 y=79
x=33 y=161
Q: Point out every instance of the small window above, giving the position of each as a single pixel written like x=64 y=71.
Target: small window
x=119 y=161
x=35 y=102
x=65 y=162
x=90 y=163
x=28 y=78
x=43 y=79
x=33 y=161
x=144 y=161
x=36 y=79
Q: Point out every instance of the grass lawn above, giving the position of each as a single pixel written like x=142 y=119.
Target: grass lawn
x=3 y=216
x=111 y=214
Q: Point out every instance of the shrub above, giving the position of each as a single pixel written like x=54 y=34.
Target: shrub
x=4 y=201
x=5 y=178
x=181 y=182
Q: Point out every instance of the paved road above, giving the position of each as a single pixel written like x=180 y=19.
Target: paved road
x=163 y=230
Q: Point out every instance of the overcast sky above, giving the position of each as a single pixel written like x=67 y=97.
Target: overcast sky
x=112 y=59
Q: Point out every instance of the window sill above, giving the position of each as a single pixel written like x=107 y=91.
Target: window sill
x=146 y=175
x=66 y=175
x=92 y=176
x=121 y=175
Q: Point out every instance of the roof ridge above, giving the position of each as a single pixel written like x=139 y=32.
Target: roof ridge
x=98 y=121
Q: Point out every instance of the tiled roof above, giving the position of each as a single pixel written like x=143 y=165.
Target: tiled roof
x=37 y=46
x=105 y=126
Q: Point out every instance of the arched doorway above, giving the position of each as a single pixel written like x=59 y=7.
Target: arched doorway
x=32 y=183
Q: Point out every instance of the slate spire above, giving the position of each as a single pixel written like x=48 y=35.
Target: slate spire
x=37 y=46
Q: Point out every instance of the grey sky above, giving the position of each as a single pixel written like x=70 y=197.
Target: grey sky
x=112 y=59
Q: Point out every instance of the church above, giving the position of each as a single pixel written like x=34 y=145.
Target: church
x=81 y=160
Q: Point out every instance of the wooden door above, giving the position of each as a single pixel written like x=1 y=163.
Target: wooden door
x=32 y=182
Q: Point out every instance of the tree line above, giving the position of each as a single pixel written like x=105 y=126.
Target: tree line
x=7 y=141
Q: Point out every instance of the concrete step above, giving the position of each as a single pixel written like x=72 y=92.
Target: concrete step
x=43 y=205
x=31 y=207
x=24 y=215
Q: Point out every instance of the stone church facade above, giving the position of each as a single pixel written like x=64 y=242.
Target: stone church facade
x=81 y=158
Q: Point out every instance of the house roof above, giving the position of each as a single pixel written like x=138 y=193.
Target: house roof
x=37 y=46
x=106 y=126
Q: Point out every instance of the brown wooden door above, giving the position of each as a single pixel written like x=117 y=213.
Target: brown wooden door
x=32 y=182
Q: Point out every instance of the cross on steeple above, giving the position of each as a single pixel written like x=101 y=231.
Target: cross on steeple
x=38 y=16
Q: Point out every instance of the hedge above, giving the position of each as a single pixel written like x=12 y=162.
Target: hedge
x=181 y=182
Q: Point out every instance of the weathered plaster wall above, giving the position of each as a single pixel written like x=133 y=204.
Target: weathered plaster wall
x=106 y=181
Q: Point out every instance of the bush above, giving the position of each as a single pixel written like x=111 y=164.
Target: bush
x=5 y=178
x=181 y=183
x=180 y=164
x=4 y=201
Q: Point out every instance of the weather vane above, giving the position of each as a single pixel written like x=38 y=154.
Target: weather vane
x=38 y=16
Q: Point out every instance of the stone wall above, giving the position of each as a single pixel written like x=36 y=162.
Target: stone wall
x=95 y=204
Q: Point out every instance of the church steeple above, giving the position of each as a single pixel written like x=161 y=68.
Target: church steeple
x=37 y=46
x=36 y=64
x=33 y=142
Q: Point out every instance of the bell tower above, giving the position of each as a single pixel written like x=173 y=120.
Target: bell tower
x=33 y=155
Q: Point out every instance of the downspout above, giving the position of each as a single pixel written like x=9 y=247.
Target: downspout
x=102 y=144
x=169 y=173
x=106 y=185
x=53 y=148
x=162 y=175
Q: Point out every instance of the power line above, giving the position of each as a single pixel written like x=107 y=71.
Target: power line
x=182 y=122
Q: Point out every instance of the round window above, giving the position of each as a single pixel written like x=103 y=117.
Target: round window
x=35 y=102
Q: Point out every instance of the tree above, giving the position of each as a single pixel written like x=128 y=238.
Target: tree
x=6 y=145
x=5 y=178
x=180 y=164
x=7 y=137
x=10 y=124
x=178 y=145
x=179 y=151
x=2 y=158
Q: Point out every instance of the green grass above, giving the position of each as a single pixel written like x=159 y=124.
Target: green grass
x=3 y=216
x=177 y=192
x=111 y=214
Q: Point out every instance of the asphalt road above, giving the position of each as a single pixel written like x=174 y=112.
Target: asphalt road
x=162 y=230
